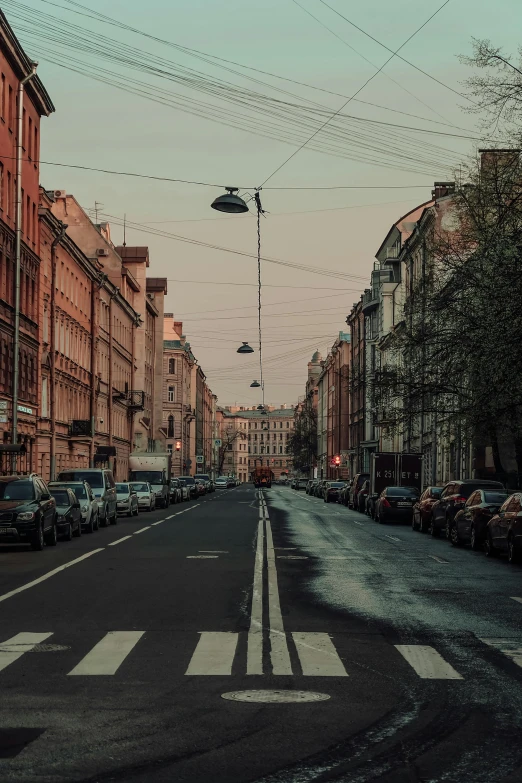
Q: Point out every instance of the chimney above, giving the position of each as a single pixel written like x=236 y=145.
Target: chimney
x=498 y=157
x=178 y=327
x=441 y=189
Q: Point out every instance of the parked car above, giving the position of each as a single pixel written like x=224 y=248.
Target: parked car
x=423 y=507
x=175 y=491
x=301 y=483
x=206 y=478
x=355 y=487
x=360 y=503
x=504 y=533
x=68 y=514
x=309 y=486
x=221 y=482
x=396 y=503
x=471 y=522
x=369 y=506
x=318 y=489
x=344 y=494
x=27 y=512
x=331 y=491
x=201 y=487
x=102 y=483
x=87 y=501
x=231 y=482
x=127 y=500
x=185 y=489
x=145 y=494
x=190 y=482
x=453 y=497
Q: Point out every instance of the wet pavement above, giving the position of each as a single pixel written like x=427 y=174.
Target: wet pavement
x=128 y=664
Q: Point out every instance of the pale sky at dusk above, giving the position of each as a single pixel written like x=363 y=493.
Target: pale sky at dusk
x=101 y=126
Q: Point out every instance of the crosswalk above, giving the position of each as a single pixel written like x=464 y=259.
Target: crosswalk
x=223 y=654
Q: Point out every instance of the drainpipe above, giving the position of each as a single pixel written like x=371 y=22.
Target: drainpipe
x=52 y=353
x=18 y=254
x=95 y=287
x=110 y=401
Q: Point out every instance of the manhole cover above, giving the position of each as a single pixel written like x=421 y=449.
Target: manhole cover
x=275 y=697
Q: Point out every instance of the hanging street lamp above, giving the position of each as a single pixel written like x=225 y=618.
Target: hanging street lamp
x=255 y=385
x=245 y=348
x=230 y=202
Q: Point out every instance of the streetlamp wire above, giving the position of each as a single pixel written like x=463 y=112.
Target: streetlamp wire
x=260 y=211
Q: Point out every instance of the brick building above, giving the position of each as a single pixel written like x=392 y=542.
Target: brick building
x=15 y=66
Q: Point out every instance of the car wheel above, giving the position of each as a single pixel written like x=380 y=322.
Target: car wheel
x=489 y=549
x=432 y=530
x=90 y=527
x=77 y=533
x=447 y=529
x=413 y=525
x=67 y=536
x=105 y=522
x=97 y=522
x=51 y=538
x=422 y=524
x=513 y=551
x=114 y=520
x=37 y=540
x=476 y=543
x=454 y=536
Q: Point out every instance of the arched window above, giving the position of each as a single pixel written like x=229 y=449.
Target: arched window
x=170 y=429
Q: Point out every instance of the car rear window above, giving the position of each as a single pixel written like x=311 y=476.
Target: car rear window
x=436 y=492
x=402 y=491
x=495 y=497
x=61 y=497
x=188 y=479
x=122 y=488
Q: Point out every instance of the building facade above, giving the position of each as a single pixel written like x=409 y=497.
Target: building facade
x=14 y=66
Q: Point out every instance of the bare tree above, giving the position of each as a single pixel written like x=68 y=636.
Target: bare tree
x=302 y=443
x=226 y=446
x=457 y=360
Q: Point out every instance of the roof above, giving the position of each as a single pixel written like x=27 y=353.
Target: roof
x=402 y=225
x=289 y=412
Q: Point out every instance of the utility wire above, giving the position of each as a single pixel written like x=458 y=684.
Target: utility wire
x=354 y=95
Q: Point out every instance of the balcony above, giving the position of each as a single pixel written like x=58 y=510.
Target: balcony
x=370 y=301
x=80 y=428
x=135 y=400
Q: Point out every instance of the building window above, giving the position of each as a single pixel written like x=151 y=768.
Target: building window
x=170 y=427
x=287 y=425
x=172 y=367
x=280 y=449
x=171 y=395
x=280 y=425
x=169 y=448
x=45 y=410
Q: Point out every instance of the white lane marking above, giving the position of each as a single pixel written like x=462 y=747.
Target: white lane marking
x=279 y=654
x=48 y=575
x=358 y=523
x=512 y=648
x=214 y=551
x=285 y=548
x=214 y=654
x=171 y=517
x=318 y=656
x=202 y=557
x=143 y=529
x=515 y=598
x=157 y=523
x=15 y=647
x=392 y=538
x=427 y=662
x=255 y=633
x=185 y=510
x=113 y=543
x=107 y=656
x=439 y=559
x=292 y=557
x=334 y=557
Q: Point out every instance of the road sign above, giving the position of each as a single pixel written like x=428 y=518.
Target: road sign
x=217 y=442
x=200 y=459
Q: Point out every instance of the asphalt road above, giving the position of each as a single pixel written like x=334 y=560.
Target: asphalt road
x=124 y=665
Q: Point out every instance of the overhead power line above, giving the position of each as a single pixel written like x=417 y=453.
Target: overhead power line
x=335 y=114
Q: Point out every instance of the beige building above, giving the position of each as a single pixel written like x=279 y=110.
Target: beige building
x=252 y=438
x=188 y=405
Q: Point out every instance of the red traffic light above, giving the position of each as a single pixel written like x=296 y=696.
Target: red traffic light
x=336 y=461
x=178 y=445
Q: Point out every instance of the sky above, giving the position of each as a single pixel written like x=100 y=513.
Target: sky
x=334 y=206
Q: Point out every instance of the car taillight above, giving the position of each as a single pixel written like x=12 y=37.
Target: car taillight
x=385 y=503
x=460 y=500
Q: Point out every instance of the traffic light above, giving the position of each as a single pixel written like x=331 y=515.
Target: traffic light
x=336 y=461
x=178 y=445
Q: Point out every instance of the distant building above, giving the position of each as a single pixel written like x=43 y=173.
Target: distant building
x=252 y=438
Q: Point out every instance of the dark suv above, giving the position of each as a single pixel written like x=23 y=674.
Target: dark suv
x=453 y=498
x=355 y=488
x=27 y=512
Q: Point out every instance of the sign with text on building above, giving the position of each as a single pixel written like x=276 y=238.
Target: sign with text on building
x=200 y=459
x=3 y=405
x=23 y=409
x=3 y=419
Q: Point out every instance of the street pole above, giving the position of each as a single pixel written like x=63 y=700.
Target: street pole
x=18 y=253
